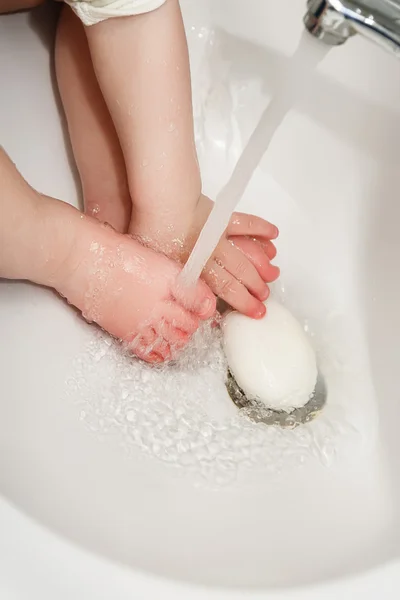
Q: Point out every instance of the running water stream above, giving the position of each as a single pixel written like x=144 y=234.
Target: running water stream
x=305 y=60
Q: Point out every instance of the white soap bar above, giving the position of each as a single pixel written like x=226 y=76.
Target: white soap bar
x=271 y=359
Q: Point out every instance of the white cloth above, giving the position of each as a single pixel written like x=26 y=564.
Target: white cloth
x=91 y=12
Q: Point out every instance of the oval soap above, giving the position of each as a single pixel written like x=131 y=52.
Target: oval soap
x=271 y=359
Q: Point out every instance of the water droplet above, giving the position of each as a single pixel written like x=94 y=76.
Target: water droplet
x=95 y=209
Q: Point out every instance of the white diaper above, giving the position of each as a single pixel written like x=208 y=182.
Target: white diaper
x=91 y=12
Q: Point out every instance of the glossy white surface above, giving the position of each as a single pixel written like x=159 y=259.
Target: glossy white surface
x=79 y=518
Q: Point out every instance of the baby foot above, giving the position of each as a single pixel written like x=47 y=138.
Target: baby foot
x=238 y=270
x=130 y=291
x=127 y=289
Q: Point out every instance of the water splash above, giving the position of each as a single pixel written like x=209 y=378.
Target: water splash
x=181 y=414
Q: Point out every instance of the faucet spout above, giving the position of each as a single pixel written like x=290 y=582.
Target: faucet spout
x=334 y=21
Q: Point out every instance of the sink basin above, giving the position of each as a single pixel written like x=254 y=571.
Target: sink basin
x=87 y=505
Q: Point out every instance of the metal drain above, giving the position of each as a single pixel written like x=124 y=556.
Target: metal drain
x=257 y=411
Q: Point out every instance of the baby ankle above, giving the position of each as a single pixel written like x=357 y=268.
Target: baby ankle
x=56 y=254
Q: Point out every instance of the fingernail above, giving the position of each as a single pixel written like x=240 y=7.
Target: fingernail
x=260 y=312
x=264 y=294
x=276 y=234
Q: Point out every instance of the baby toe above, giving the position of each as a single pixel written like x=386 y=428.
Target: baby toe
x=162 y=348
x=197 y=299
x=235 y=262
x=269 y=248
x=251 y=225
x=255 y=252
x=233 y=292
x=181 y=318
x=172 y=334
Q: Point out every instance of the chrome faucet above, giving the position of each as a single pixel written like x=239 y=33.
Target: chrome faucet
x=334 y=21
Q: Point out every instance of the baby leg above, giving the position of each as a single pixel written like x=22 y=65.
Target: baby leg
x=94 y=141
x=142 y=66
x=14 y=5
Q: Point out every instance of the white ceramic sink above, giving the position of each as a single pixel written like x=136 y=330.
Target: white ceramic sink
x=82 y=518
